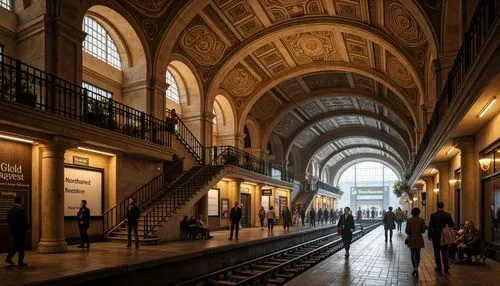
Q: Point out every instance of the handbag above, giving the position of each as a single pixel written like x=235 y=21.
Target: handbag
x=447 y=236
x=340 y=230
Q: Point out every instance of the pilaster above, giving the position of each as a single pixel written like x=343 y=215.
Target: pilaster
x=431 y=196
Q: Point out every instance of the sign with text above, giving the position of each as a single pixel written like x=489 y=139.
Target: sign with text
x=82 y=184
x=267 y=192
x=81 y=161
x=366 y=191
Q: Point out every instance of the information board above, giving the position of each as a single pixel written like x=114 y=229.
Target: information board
x=82 y=184
x=213 y=202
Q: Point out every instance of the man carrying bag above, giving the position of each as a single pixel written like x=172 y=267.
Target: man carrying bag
x=440 y=221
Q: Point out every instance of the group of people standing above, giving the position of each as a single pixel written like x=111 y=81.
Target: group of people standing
x=321 y=216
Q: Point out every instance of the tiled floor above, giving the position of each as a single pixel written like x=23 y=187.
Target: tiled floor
x=372 y=262
x=108 y=255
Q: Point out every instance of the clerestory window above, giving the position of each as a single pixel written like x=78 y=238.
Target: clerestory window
x=173 y=89
x=99 y=43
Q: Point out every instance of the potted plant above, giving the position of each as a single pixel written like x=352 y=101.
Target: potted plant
x=400 y=188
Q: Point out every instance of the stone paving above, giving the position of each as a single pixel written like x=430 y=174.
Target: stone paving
x=373 y=262
x=104 y=255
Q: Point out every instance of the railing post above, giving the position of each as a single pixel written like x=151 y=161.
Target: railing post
x=18 y=81
x=143 y=125
x=85 y=105
x=110 y=114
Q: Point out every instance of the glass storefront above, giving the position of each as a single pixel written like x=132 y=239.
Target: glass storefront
x=491 y=193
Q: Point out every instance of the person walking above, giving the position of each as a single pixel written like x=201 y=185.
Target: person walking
x=271 y=216
x=83 y=221
x=415 y=227
x=439 y=220
x=332 y=216
x=287 y=219
x=312 y=217
x=400 y=215
x=303 y=216
x=345 y=227
x=132 y=218
x=359 y=214
x=373 y=213
x=18 y=226
x=326 y=215
x=320 y=216
x=262 y=216
x=389 y=223
x=234 y=218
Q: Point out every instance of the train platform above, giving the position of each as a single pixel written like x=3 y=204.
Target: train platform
x=373 y=262
x=105 y=261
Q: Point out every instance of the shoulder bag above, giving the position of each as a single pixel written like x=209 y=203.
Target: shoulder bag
x=447 y=236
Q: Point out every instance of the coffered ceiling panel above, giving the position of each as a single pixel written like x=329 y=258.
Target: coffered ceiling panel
x=305 y=137
x=326 y=80
x=291 y=87
x=265 y=107
x=287 y=125
x=337 y=103
x=357 y=141
x=348 y=120
x=282 y=10
x=324 y=152
x=240 y=16
x=312 y=47
x=311 y=109
x=327 y=125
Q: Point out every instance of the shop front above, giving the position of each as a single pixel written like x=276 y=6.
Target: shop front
x=490 y=171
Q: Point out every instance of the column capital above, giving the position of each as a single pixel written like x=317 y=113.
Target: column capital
x=441 y=166
x=428 y=179
x=465 y=144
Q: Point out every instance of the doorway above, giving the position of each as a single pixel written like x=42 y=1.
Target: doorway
x=245 y=210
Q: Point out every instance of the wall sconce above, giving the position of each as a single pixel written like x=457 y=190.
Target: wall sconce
x=436 y=191
x=453 y=182
x=415 y=199
x=485 y=164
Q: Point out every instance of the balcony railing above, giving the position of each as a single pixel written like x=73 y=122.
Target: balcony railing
x=485 y=17
x=329 y=188
x=229 y=155
x=33 y=87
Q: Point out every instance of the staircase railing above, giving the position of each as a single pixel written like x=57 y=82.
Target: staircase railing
x=174 y=199
x=113 y=217
x=485 y=17
x=33 y=87
x=185 y=135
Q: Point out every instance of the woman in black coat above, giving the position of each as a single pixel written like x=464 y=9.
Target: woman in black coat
x=345 y=226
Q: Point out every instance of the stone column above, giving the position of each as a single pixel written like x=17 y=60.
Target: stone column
x=431 y=197
x=52 y=199
x=236 y=191
x=470 y=207
x=420 y=190
x=444 y=185
x=257 y=203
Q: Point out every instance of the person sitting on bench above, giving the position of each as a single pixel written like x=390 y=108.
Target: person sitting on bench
x=470 y=243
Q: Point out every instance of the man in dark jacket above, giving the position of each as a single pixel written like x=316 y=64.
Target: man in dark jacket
x=132 y=217
x=234 y=218
x=437 y=222
x=389 y=223
x=346 y=224
x=18 y=226
x=83 y=221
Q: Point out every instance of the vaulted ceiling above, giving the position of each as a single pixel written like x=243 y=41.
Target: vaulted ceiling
x=330 y=78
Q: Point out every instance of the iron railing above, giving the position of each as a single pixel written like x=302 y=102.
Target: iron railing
x=144 y=196
x=33 y=87
x=185 y=135
x=236 y=157
x=175 y=198
x=328 y=187
x=485 y=17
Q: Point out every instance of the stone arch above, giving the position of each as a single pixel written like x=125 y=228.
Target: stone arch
x=190 y=89
x=314 y=24
x=339 y=168
x=320 y=94
x=277 y=148
x=129 y=85
x=339 y=113
x=343 y=132
x=395 y=156
x=323 y=67
x=254 y=130
x=226 y=127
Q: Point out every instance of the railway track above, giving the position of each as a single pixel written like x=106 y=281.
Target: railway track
x=278 y=267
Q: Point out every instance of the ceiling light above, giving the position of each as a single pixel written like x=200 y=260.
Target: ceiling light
x=436 y=191
x=415 y=199
x=16 y=139
x=487 y=107
x=453 y=182
x=485 y=164
x=96 y=151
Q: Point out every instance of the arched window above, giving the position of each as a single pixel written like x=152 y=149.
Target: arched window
x=99 y=43
x=172 y=90
x=7 y=4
